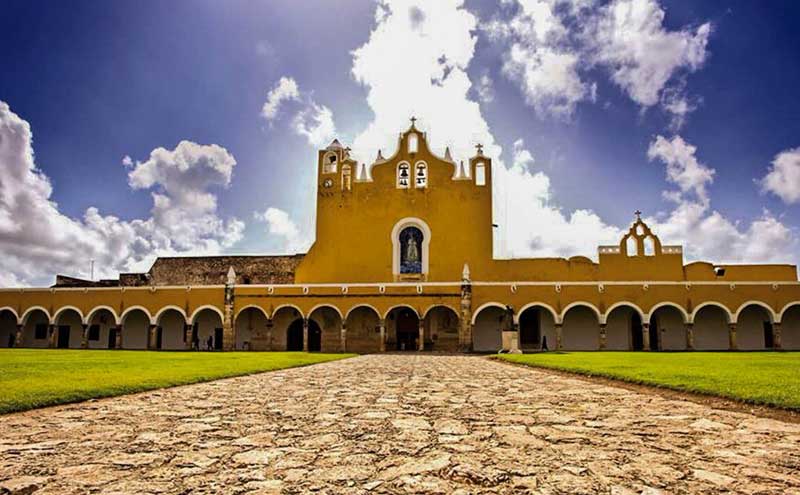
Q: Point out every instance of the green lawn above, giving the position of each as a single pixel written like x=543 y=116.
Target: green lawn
x=32 y=378
x=771 y=378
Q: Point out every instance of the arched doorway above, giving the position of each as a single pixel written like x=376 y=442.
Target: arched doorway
x=711 y=328
x=668 y=322
x=8 y=328
x=441 y=325
x=170 y=331
x=330 y=325
x=624 y=329
x=536 y=328
x=207 y=331
x=251 y=330
x=135 y=327
x=790 y=328
x=581 y=329
x=363 y=330
x=36 y=329
x=102 y=331
x=488 y=326
x=403 y=325
x=69 y=329
x=294 y=336
x=754 y=328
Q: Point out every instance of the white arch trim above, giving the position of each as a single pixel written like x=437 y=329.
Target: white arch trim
x=396 y=247
x=771 y=312
x=397 y=306
x=620 y=304
x=13 y=311
x=94 y=310
x=373 y=308
x=785 y=309
x=434 y=306
x=27 y=314
x=721 y=306
x=484 y=306
x=132 y=309
x=667 y=304
x=546 y=306
x=67 y=308
x=157 y=317
x=251 y=306
x=203 y=308
x=293 y=306
x=331 y=306
x=589 y=305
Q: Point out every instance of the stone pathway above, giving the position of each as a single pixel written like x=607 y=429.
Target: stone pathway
x=396 y=423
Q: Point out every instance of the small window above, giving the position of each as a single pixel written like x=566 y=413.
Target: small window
x=94 y=332
x=40 y=331
x=632 y=248
x=329 y=163
x=639 y=230
x=413 y=143
x=403 y=175
x=719 y=271
x=421 y=175
x=480 y=174
x=649 y=246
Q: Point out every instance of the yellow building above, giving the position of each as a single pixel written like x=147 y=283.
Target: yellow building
x=403 y=261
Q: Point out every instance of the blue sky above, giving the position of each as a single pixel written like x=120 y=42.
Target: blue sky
x=687 y=111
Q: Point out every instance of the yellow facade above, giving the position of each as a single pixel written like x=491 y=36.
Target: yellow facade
x=403 y=260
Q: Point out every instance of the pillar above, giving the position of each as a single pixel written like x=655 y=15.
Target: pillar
x=421 y=343
x=151 y=336
x=559 y=343
x=776 y=336
x=187 y=336
x=85 y=336
x=732 y=345
x=52 y=335
x=118 y=340
x=602 y=336
x=343 y=337
x=269 y=333
x=465 y=320
x=689 y=336
x=18 y=337
x=645 y=336
x=305 y=334
x=382 y=324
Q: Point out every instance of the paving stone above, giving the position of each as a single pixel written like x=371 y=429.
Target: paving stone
x=396 y=424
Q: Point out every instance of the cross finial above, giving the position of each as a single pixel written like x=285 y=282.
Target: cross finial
x=638 y=214
x=413 y=121
x=479 y=147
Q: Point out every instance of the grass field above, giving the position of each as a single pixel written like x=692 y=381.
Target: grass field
x=771 y=378
x=32 y=378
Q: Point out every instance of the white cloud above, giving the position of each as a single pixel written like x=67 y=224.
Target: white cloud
x=783 y=177
x=312 y=120
x=281 y=225
x=485 y=88
x=284 y=90
x=37 y=240
x=683 y=168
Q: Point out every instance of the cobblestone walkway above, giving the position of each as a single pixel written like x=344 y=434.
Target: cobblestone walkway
x=393 y=423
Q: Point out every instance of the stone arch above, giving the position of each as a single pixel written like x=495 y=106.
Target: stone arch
x=783 y=311
x=710 y=326
x=102 y=334
x=396 y=247
x=251 y=306
x=13 y=311
x=68 y=321
x=204 y=307
x=207 y=328
x=170 y=330
x=754 y=326
x=790 y=326
x=251 y=327
x=363 y=328
x=289 y=305
x=8 y=327
x=402 y=328
x=488 y=323
x=668 y=324
x=36 y=327
x=329 y=320
x=623 y=322
x=536 y=322
x=580 y=326
x=135 y=322
x=282 y=318
x=681 y=310
x=484 y=306
x=441 y=326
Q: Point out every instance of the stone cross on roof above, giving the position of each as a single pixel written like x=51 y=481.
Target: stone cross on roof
x=638 y=214
x=479 y=147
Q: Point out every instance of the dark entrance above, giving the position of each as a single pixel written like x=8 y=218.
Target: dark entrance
x=529 y=329
x=218 y=339
x=112 y=338
x=63 y=336
x=159 y=337
x=769 y=343
x=637 y=342
x=294 y=336
x=654 y=340
x=407 y=329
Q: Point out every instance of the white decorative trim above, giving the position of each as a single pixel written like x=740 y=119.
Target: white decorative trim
x=483 y=306
x=721 y=306
x=587 y=304
x=320 y=306
x=546 y=306
x=362 y=305
x=250 y=306
x=397 y=306
x=160 y=313
x=13 y=311
x=131 y=309
x=670 y=304
x=426 y=240
x=27 y=313
x=65 y=308
x=90 y=315
x=786 y=308
x=204 y=307
x=288 y=305
x=628 y=304
x=434 y=306
x=771 y=312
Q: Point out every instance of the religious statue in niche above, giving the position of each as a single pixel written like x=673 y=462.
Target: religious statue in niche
x=411 y=250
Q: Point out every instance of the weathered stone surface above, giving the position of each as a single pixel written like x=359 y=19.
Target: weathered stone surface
x=396 y=423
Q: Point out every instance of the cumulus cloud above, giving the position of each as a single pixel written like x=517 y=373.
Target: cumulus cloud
x=37 y=240
x=280 y=224
x=552 y=45
x=311 y=120
x=485 y=88
x=683 y=168
x=783 y=177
